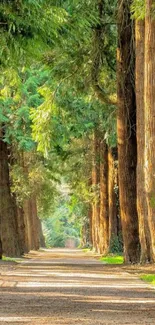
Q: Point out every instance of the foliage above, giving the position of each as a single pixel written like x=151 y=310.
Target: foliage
x=19 y=92
x=26 y=25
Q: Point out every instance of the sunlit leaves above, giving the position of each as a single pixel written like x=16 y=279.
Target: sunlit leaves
x=138 y=9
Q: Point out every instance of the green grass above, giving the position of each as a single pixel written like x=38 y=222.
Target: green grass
x=10 y=259
x=86 y=250
x=148 y=278
x=115 y=259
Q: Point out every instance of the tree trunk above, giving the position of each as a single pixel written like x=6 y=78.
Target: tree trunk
x=30 y=212
x=35 y=222
x=113 y=204
x=0 y=249
x=8 y=218
x=84 y=236
x=126 y=129
x=15 y=159
x=144 y=232
x=104 y=207
x=149 y=99
x=95 y=186
x=22 y=230
x=28 y=223
x=90 y=225
x=41 y=235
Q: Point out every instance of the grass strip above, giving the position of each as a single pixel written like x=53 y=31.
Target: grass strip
x=11 y=259
x=112 y=259
x=148 y=278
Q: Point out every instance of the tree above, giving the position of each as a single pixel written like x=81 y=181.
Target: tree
x=126 y=130
x=104 y=199
x=144 y=232
x=113 y=200
x=149 y=111
x=9 y=227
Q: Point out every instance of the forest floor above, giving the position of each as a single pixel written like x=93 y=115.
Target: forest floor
x=70 y=287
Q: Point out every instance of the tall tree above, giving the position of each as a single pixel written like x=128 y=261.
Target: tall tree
x=126 y=130
x=149 y=100
x=113 y=201
x=95 y=186
x=144 y=232
x=104 y=199
x=8 y=218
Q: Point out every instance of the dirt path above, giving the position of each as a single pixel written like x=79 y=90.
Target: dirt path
x=66 y=287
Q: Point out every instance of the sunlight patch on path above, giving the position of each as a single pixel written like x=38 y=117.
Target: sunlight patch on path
x=69 y=285
x=44 y=273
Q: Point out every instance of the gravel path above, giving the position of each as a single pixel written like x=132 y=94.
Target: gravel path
x=67 y=287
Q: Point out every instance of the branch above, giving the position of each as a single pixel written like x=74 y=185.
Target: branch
x=97 y=59
x=104 y=98
x=61 y=82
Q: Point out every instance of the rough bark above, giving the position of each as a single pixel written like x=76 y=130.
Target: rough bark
x=149 y=99
x=126 y=130
x=144 y=232
x=8 y=218
x=104 y=206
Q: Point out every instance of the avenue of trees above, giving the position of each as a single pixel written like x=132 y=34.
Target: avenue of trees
x=77 y=125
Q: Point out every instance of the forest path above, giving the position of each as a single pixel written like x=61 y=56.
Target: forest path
x=67 y=287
